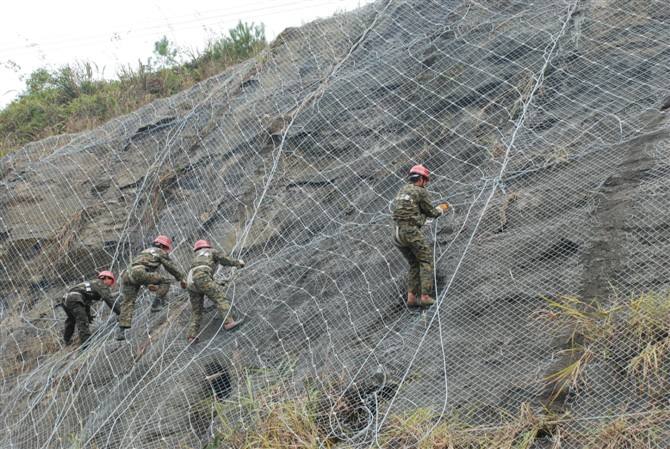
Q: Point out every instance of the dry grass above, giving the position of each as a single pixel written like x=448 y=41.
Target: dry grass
x=269 y=423
x=647 y=366
x=648 y=325
x=628 y=432
x=423 y=429
x=635 y=332
x=274 y=420
x=592 y=321
x=571 y=376
x=270 y=418
x=589 y=326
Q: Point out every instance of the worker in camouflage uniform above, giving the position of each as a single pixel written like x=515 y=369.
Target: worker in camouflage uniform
x=411 y=207
x=77 y=304
x=200 y=282
x=144 y=271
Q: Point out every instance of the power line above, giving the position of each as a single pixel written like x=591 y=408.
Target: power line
x=151 y=30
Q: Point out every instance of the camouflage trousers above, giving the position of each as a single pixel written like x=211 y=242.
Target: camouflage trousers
x=204 y=285
x=413 y=245
x=79 y=315
x=132 y=279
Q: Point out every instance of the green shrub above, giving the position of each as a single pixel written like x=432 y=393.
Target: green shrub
x=242 y=42
x=76 y=97
x=31 y=117
x=89 y=110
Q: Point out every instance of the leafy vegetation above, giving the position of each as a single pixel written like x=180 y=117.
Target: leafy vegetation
x=76 y=97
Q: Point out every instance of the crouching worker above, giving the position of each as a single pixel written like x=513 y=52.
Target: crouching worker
x=411 y=208
x=77 y=305
x=143 y=270
x=201 y=283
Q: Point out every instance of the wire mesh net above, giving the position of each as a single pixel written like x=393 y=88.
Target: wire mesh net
x=540 y=123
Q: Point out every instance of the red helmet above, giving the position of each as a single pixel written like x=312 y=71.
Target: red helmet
x=420 y=170
x=201 y=244
x=107 y=274
x=165 y=241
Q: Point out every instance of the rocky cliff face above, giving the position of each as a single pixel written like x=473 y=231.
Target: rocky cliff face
x=542 y=127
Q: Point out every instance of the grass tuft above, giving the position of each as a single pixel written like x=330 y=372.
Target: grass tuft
x=628 y=432
x=633 y=335
x=424 y=429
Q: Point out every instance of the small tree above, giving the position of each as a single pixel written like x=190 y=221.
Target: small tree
x=243 y=41
x=38 y=81
x=165 y=53
x=246 y=38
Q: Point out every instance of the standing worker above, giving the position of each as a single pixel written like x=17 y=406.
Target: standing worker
x=77 y=305
x=144 y=271
x=411 y=207
x=200 y=282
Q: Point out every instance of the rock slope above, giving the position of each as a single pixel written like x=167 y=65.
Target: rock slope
x=542 y=127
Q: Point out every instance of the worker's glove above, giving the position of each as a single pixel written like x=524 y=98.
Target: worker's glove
x=444 y=207
x=240 y=263
x=182 y=284
x=152 y=287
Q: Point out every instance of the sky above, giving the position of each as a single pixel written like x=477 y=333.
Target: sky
x=113 y=34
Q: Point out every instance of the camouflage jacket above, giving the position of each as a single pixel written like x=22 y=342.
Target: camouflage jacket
x=412 y=206
x=208 y=257
x=152 y=258
x=95 y=290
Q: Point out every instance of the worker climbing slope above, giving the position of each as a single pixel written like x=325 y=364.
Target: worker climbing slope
x=77 y=304
x=411 y=208
x=144 y=271
x=201 y=283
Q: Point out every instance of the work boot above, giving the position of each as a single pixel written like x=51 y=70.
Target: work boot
x=120 y=333
x=231 y=324
x=192 y=340
x=411 y=299
x=157 y=305
x=426 y=301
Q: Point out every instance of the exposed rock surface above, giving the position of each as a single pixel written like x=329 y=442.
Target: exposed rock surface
x=541 y=124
